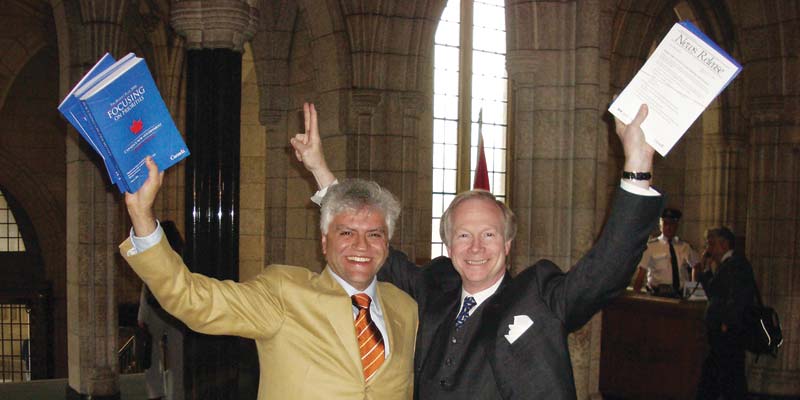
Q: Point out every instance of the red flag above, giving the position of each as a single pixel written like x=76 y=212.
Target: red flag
x=481 y=172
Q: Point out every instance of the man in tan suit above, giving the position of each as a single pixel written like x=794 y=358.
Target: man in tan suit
x=304 y=324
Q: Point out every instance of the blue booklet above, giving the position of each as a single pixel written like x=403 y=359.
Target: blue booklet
x=75 y=113
x=72 y=110
x=126 y=120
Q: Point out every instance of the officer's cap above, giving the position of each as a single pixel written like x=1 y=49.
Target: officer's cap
x=671 y=214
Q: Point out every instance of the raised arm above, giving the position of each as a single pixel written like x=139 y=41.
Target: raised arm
x=204 y=304
x=605 y=271
x=308 y=148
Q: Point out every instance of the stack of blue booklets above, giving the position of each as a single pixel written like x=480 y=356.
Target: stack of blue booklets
x=117 y=109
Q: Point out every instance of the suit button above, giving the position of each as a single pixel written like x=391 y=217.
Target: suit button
x=448 y=362
x=453 y=340
x=443 y=382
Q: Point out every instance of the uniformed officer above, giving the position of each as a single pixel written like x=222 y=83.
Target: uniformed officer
x=668 y=261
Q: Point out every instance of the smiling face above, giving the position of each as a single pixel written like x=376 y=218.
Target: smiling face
x=477 y=245
x=356 y=245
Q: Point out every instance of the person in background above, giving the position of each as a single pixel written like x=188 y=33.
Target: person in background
x=728 y=281
x=668 y=260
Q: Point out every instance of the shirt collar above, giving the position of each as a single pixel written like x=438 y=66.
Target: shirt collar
x=728 y=254
x=371 y=290
x=664 y=239
x=484 y=294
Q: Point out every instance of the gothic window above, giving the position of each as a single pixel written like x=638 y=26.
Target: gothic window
x=470 y=81
x=10 y=238
x=15 y=339
x=14 y=318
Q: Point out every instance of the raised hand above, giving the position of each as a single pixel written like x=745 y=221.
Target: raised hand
x=140 y=204
x=308 y=148
x=638 y=154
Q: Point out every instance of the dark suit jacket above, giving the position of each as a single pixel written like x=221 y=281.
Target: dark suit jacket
x=731 y=292
x=537 y=364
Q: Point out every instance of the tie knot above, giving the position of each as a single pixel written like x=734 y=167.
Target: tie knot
x=462 y=316
x=469 y=302
x=361 y=300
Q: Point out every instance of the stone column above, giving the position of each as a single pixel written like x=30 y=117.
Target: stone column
x=94 y=219
x=560 y=145
x=722 y=177
x=417 y=140
x=215 y=32
x=773 y=229
x=541 y=65
x=384 y=148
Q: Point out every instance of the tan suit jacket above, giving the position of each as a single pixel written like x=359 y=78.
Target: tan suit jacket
x=301 y=321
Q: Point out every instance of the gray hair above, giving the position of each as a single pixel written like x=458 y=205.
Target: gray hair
x=724 y=233
x=509 y=220
x=354 y=195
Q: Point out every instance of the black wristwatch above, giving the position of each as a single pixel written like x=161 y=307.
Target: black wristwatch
x=637 y=176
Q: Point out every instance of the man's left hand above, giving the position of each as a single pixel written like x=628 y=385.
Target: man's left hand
x=638 y=154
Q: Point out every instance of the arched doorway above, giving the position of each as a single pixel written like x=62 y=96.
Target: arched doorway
x=25 y=299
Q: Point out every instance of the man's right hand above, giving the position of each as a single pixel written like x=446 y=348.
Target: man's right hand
x=140 y=204
x=308 y=148
x=706 y=262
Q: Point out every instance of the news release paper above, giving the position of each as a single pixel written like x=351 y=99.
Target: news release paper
x=679 y=80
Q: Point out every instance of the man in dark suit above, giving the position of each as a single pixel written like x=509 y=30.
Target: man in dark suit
x=728 y=281
x=486 y=335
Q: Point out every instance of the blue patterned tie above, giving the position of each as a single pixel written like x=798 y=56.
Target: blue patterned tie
x=469 y=302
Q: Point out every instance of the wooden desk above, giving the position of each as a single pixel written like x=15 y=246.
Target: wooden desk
x=651 y=348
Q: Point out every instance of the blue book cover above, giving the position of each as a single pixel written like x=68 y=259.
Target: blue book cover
x=72 y=108
x=131 y=121
x=73 y=111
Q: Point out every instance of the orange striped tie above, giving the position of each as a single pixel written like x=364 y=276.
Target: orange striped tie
x=370 y=341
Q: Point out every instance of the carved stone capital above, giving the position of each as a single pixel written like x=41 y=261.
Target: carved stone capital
x=366 y=99
x=271 y=117
x=521 y=65
x=415 y=103
x=214 y=24
x=766 y=111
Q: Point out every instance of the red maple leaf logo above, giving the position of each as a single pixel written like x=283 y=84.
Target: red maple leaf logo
x=136 y=126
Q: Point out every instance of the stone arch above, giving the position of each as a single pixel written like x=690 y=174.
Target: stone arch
x=41 y=208
x=379 y=60
x=271 y=46
x=20 y=41
x=329 y=46
x=32 y=158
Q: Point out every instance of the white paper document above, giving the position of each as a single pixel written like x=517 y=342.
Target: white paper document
x=679 y=80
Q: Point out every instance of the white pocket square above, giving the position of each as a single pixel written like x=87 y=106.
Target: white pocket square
x=520 y=325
